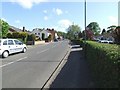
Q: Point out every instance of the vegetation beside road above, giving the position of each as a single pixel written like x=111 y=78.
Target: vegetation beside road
x=103 y=60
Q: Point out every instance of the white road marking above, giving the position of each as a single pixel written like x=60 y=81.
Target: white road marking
x=13 y=62
x=42 y=51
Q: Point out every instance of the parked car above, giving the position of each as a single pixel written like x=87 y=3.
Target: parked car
x=106 y=41
x=55 y=40
x=9 y=46
x=103 y=41
x=110 y=42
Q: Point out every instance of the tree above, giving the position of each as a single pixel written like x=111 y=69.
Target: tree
x=116 y=34
x=60 y=33
x=9 y=35
x=50 y=37
x=4 y=27
x=94 y=26
x=73 y=32
x=89 y=34
x=103 y=31
x=16 y=35
x=63 y=34
x=111 y=28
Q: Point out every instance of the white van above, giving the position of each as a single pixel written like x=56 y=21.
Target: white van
x=9 y=46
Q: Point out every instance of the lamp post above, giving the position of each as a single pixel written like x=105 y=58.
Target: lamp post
x=85 y=18
x=85 y=30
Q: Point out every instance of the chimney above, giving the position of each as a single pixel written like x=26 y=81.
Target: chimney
x=23 y=29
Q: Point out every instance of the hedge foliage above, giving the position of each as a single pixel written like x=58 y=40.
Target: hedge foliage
x=104 y=62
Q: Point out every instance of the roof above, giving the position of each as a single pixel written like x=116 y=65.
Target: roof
x=16 y=29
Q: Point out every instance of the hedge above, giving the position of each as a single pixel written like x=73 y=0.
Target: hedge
x=103 y=61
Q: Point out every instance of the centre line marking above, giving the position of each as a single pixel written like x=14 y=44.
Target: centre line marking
x=13 y=62
x=42 y=51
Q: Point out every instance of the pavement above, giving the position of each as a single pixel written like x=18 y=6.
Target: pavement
x=75 y=73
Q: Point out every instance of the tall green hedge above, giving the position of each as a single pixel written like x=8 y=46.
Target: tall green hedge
x=104 y=62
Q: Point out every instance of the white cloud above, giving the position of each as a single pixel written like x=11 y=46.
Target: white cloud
x=65 y=23
x=45 y=11
x=45 y=18
x=27 y=3
x=113 y=20
x=4 y=19
x=17 y=21
x=58 y=11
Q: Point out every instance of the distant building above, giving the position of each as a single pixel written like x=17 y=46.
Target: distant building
x=41 y=33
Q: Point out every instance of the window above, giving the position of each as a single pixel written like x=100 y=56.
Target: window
x=10 y=42
x=5 y=42
x=17 y=42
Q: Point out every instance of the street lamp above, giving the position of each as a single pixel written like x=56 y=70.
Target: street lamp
x=85 y=30
x=85 y=18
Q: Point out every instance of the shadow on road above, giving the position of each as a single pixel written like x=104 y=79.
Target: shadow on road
x=75 y=73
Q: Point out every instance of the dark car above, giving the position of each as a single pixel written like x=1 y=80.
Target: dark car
x=55 y=40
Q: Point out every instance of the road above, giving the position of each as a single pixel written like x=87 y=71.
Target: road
x=33 y=68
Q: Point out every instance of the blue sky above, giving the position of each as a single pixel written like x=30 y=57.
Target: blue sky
x=59 y=15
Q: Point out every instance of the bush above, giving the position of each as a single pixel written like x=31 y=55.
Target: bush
x=31 y=37
x=9 y=35
x=103 y=61
x=49 y=37
x=16 y=35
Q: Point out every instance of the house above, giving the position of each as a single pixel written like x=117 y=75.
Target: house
x=53 y=33
x=14 y=29
x=41 y=33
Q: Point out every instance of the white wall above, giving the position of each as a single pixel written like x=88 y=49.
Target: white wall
x=42 y=31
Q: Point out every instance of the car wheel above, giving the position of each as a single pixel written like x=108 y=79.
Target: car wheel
x=24 y=50
x=5 y=54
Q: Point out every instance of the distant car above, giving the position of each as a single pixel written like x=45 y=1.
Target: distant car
x=103 y=41
x=110 y=42
x=9 y=46
x=106 y=41
x=55 y=40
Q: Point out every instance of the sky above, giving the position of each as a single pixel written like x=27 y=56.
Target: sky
x=58 y=15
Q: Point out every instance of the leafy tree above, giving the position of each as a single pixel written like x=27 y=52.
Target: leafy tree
x=103 y=31
x=23 y=35
x=63 y=34
x=111 y=28
x=4 y=27
x=60 y=33
x=89 y=34
x=94 y=26
x=116 y=34
x=31 y=37
x=73 y=32
x=80 y=35
x=9 y=35
x=49 y=37
x=16 y=35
